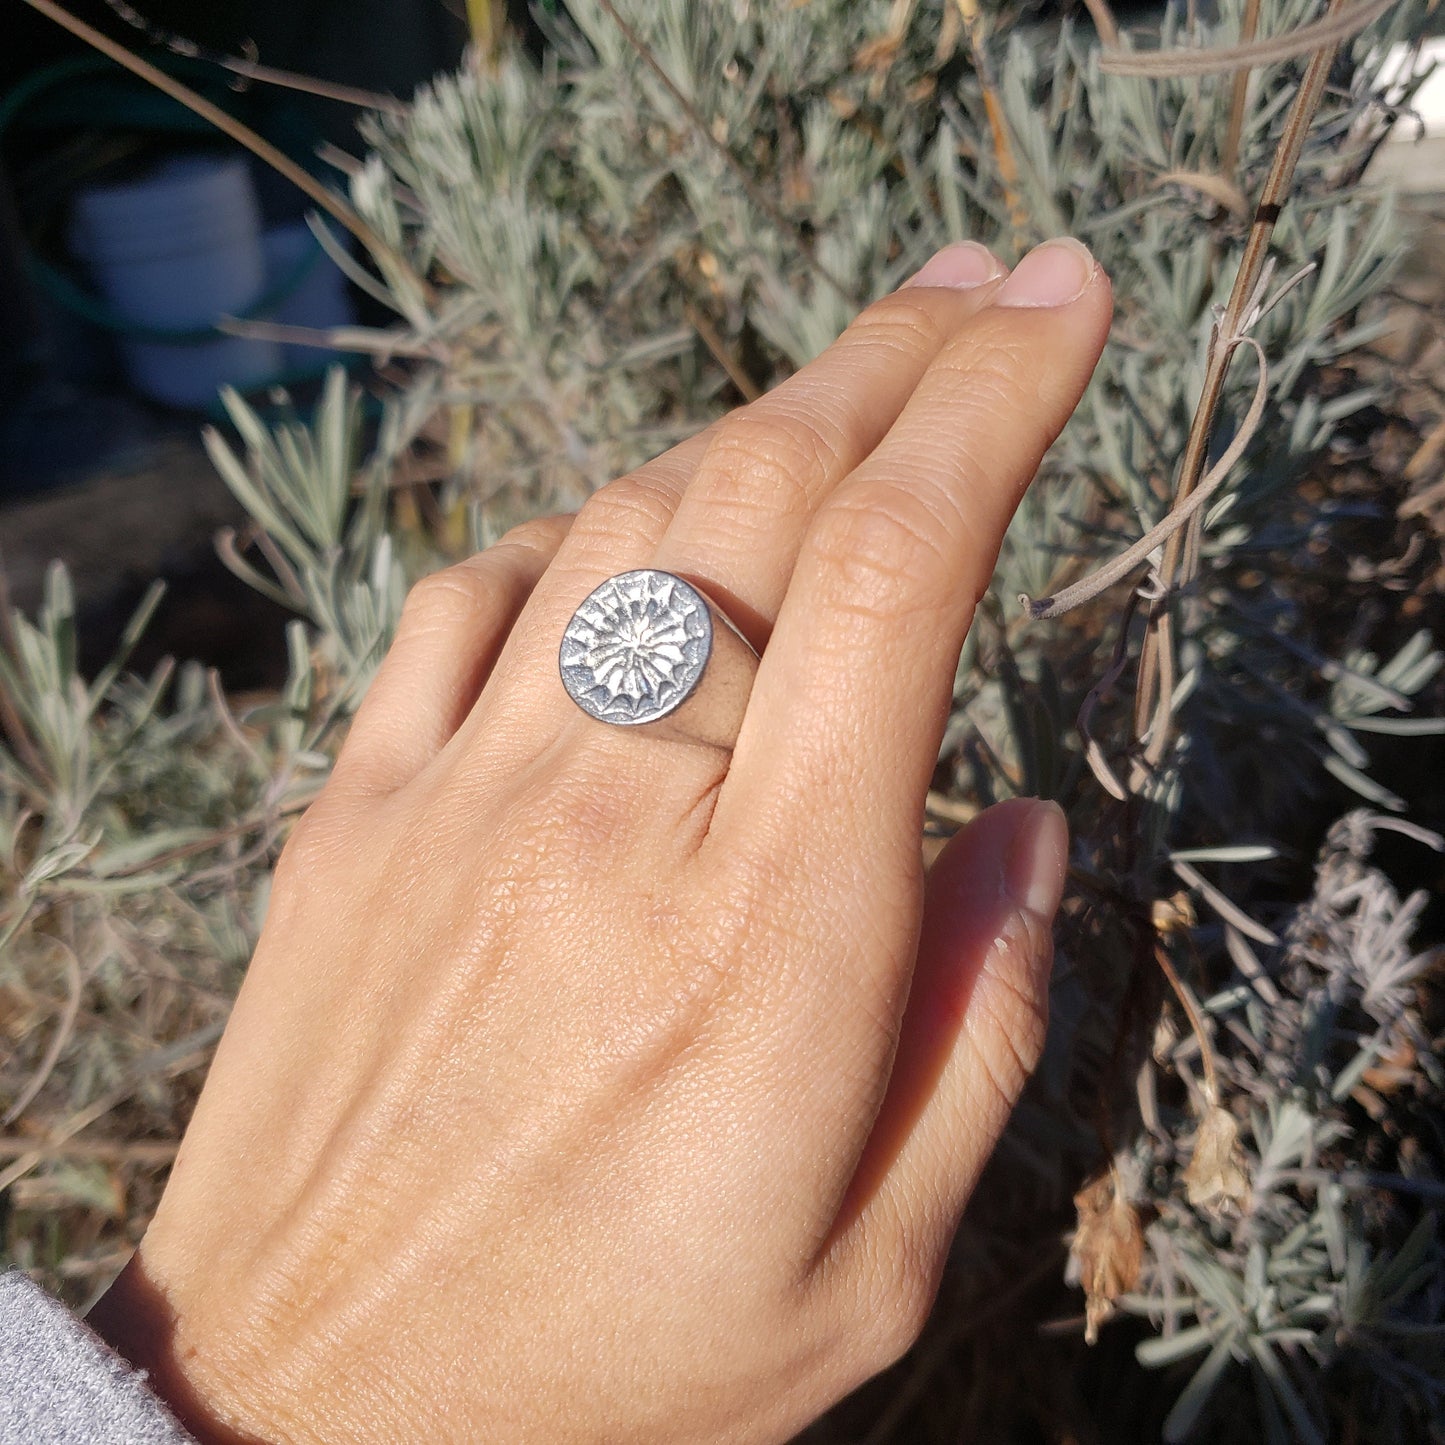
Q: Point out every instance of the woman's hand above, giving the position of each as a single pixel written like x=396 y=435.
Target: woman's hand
x=589 y=1085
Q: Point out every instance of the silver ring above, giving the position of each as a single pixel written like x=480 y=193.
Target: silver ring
x=647 y=648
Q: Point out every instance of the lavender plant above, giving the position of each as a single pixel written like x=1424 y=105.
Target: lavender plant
x=1229 y=1144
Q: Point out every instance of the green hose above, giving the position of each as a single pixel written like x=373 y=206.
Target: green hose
x=141 y=108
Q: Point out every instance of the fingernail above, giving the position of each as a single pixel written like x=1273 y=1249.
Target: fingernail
x=959 y=266
x=1050 y=275
x=1037 y=858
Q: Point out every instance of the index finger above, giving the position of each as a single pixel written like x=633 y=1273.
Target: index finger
x=842 y=731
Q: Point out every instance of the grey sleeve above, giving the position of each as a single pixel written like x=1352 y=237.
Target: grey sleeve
x=60 y=1384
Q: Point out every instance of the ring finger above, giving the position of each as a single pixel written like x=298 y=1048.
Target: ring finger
x=730 y=506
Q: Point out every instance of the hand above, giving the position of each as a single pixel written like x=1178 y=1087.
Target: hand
x=593 y=1086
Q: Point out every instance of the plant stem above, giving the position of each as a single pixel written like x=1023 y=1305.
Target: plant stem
x=1153 y=705
x=1008 y=170
x=1229 y=156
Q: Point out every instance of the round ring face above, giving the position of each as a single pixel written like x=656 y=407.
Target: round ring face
x=636 y=648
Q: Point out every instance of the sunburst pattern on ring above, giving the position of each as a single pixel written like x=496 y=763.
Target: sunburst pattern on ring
x=636 y=647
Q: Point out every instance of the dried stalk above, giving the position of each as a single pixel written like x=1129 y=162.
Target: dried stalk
x=63 y=1031
x=365 y=340
x=718 y=349
x=997 y=120
x=1181 y=555
x=1196 y=1022
x=251 y=69
x=1224 y=906
x=1229 y=156
x=1171 y=64
x=106 y=1151
x=1218 y=188
x=177 y=1058
x=1104 y=22
x=1183 y=513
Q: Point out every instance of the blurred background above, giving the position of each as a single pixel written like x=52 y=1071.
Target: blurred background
x=128 y=228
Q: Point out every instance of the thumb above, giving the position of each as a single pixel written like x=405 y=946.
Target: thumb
x=975 y=1022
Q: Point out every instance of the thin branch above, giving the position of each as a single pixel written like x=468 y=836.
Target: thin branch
x=1182 y=513
x=1104 y=22
x=1222 y=904
x=1229 y=156
x=1181 y=554
x=1196 y=1023
x=63 y=1031
x=365 y=340
x=227 y=718
x=1008 y=170
x=1101 y=692
x=107 y=1151
x=217 y=837
x=177 y=1058
x=1172 y=64
x=249 y=69
x=310 y=85
x=750 y=390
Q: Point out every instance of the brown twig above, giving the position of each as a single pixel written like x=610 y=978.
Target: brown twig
x=1196 y=1022
x=1181 y=515
x=1229 y=156
x=250 y=69
x=310 y=85
x=1104 y=22
x=216 y=838
x=1181 y=554
x=1322 y=34
x=1008 y=170
x=750 y=390
x=106 y=1151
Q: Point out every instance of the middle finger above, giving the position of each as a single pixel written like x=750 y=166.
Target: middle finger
x=730 y=506
x=766 y=468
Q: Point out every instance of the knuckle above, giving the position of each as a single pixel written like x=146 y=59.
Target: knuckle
x=1001 y=371
x=539 y=534
x=768 y=456
x=885 y=546
x=634 y=506
x=306 y=854
x=455 y=596
x=903 y=324
x=570 y=821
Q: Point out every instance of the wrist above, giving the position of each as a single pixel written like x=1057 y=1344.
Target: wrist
x=138 y=1321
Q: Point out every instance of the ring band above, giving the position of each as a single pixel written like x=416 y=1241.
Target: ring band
x=647 y=648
